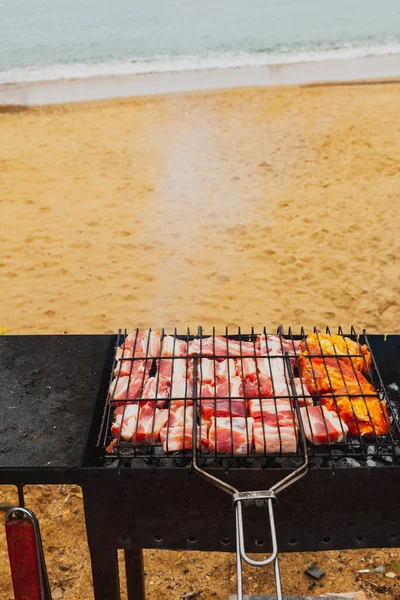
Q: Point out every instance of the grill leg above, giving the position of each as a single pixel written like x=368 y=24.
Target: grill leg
x=135 y=575
x=105 y=574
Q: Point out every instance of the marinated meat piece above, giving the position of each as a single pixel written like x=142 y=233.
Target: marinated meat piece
x=364 y=416
x=324 y=375
x=222 y=408
x=322 y=426
x=220 y=346
x=333 y=345
x=273 y=411
x=270 y=439
x=230 y=436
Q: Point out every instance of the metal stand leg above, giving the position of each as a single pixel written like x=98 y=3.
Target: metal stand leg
x=135 y=575
x=105 y=574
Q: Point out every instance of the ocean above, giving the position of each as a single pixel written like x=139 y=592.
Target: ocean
x=48 y=40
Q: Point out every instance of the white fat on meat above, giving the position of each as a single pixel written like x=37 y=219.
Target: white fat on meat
x=280 y=410
x=225 y=369
x=322 y=426
x=270 y=439
x=172 y=346
x=230 y=435
x=144 y=343
x=125 y=419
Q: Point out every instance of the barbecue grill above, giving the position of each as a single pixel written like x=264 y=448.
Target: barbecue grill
x=155 y=498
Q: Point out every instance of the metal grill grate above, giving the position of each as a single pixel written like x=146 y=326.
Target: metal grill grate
x=249 y=393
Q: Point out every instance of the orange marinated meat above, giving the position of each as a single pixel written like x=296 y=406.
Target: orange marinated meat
x=350 y=352
x=364 y=416
x=324 y=375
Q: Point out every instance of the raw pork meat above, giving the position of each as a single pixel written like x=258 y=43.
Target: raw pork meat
x=144 y=343
x=180 y=438
x=220 y=346
x=230 y=436
x=157 y=389
x=151 y=421
x=172 y=346
x=222 y=408
x=280 y=410
x=257 y=386
x=225 y=369
x=322 y=426
x=125 y=419
x=230 y=389
x=269 y=439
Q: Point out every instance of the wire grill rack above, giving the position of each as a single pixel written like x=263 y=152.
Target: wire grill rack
x=181 y=368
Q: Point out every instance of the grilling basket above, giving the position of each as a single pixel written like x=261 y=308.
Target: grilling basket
x=263 y=400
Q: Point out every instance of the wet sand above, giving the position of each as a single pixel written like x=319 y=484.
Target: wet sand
x=369 y=69
x=239 y=207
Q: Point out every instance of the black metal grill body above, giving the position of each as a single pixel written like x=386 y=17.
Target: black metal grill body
x=127 y=508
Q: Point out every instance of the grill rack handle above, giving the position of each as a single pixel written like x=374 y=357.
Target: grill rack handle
x=260 y=499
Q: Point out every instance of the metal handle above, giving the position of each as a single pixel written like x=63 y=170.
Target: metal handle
x=20 y=512
x=241 y=553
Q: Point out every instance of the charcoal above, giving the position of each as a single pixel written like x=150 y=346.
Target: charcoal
x=139 y=463
x=168 y=463
x=158 y=451
x=316 y=461
x=112 y=464
x=370 y=463
x=387 y=459
x=371 y=450
x=253 y=463
x=337 y=452
x=347 y=463
x=394 y=389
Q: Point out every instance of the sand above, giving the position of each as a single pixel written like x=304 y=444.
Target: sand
x=238 y=207
x=241 y=207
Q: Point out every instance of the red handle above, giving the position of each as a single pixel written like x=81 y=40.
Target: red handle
x=23 y=555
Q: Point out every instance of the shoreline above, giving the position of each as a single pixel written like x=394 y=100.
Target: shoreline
x=365 y=70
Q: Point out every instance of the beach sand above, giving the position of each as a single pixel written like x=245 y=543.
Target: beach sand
x=241 y=207
x=237 y=207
